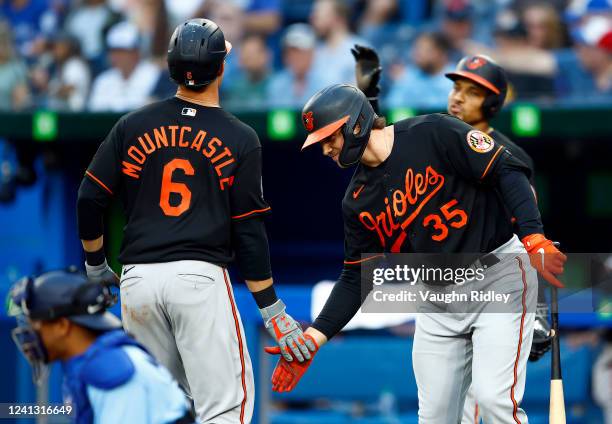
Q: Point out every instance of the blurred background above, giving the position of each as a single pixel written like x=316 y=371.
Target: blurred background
x=70 y=68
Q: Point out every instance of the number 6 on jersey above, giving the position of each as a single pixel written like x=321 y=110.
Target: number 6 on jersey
x=168 y=186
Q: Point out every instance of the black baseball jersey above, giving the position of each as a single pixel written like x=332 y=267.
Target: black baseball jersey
x=433 y=194
x=517 y=151
x=183 y=172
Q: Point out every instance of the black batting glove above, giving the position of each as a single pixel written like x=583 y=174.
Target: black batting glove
x=367 y=70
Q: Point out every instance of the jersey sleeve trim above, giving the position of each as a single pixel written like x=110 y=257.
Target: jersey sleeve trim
x=499 y=150
x=100 y=183
x=253 y=212
x=363 y=260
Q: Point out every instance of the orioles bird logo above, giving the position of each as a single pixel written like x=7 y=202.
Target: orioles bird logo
x=308 y=121
x=189 y=76
x=476 y=62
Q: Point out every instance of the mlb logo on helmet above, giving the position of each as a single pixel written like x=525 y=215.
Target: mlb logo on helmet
x=308 y=121
x=187 y=111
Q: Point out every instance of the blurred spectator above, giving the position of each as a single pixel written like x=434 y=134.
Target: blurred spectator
x=378 y=12
x=262 y=16
x=30 y=21
x=181 y=10
x=250 y=88
x=14 y=94
x=333 y=61
x=576 y=9
x=457 y=26
x=88 y=22
x=151 y=18
x=423 y=84
x=582 y=75
x=230 y=18
x=69 y=81
x=130 y=82
x=544 y=27
x=585 y=73
x=296 y=83
x=511 y=36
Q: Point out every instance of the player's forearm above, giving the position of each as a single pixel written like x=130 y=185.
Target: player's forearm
x=342 y=304
x=91 y=204
x=520 y=200
x=252 y=253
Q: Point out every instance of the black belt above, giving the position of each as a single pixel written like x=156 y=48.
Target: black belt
x=486 y=261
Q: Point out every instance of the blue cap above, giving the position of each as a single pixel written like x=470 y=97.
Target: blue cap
x=66 y=294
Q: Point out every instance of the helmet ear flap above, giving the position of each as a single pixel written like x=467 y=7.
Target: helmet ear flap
x=355 y=144
x=492 y=104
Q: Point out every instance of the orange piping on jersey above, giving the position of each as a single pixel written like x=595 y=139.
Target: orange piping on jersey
x=520 y=343
x=491 y=161
x=251 y=213
x=363 y=260
x=100 y=183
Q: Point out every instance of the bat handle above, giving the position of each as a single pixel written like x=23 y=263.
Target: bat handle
x=555 y=368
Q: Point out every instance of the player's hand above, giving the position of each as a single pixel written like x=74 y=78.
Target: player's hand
x=287 y=333
x=367 y=70
x=102 y=274
x=286 y=375
x=545 y=258
x=542 y=334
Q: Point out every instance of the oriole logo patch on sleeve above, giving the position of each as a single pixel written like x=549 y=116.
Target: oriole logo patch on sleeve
x=479 y=141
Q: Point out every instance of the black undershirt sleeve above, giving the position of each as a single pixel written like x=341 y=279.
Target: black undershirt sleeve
x=250 y=242
x=92 y=201
x=342 y=304
x=520 y=200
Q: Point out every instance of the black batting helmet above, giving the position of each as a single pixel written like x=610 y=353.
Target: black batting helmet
x=339 y=106
x=485 y=72
x=196 y=53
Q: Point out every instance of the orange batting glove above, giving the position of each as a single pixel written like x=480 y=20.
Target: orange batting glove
x=545 y=257
x=286 y=375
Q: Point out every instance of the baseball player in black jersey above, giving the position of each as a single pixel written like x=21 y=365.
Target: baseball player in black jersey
x=434 y=184
x=189 y=176
x=479 y=91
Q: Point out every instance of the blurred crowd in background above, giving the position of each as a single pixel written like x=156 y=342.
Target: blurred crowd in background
x=109 y=55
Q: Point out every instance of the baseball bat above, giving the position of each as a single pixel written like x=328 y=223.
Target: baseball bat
x=557 y=404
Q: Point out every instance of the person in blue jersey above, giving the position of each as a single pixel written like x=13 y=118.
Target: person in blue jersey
x=108 y=376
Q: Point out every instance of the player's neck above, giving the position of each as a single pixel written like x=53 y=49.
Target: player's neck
x=482 y=126
x=379 y=147
x=209 y=97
